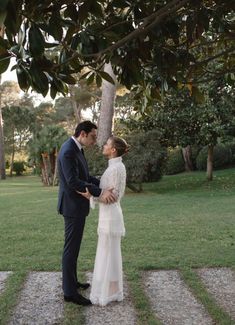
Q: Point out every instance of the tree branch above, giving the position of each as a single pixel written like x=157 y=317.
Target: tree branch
x=148 y=23
x=153 y=20
x=230 y=50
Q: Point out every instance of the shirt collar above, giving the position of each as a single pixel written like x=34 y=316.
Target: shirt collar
x=77 y=143
x=115 y=160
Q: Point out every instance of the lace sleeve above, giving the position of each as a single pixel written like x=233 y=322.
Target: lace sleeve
x=118 y=181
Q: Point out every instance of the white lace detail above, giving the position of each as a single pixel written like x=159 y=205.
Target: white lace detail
x=115 y=177
x=110 y=215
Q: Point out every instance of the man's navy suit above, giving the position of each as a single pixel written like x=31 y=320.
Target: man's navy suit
x=74 y=176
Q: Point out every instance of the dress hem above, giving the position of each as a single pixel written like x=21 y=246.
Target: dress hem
x=104 y=301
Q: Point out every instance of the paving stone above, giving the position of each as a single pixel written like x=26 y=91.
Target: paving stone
x=220 y=282
x=114 y=313
x=40 y=302
x=3 y=277
x=172 y=301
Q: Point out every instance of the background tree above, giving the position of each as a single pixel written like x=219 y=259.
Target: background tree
x=43 y=150
x=19 y=124
x=182 y=122
x=9 y=95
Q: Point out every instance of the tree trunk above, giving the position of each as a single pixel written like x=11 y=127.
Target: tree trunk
x=187 y=154
x=55 y=176
x=2 y=151
x=76 y=107
x=210 y=163
x=46 y=170
x=12 y=157
x=105 y=122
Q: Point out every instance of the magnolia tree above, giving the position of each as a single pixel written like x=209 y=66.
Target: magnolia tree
x=153 y=44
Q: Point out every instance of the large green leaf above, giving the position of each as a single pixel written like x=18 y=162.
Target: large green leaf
x=60 y=85
x=4 y=45
x=23 y=78
x=36 y=41
x=68 y=79
x=4 y=62
x=71 y=12
x=106 y=76
x=39 y=79
x=55 y=29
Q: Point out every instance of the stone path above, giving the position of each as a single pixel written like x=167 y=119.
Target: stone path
x=41 y=299
x=172 y=301
x=220 y=282
x=117 y=312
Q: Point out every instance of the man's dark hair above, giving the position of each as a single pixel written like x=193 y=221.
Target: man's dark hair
x=86 y=126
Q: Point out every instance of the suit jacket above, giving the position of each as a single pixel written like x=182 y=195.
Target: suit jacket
x=74 y=176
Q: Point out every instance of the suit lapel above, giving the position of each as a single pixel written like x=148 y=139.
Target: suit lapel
x=81 y=158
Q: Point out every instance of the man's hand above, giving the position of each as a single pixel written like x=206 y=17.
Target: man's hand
x=108 y=196
x=86 y=194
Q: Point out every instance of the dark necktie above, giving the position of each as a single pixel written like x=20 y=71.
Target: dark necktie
x=82 y=151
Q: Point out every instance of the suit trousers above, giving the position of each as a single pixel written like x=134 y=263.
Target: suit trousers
x=73 y=236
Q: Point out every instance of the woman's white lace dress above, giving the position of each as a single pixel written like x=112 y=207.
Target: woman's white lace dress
x=107 y=283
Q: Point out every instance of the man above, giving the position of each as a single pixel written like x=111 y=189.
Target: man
x=74 y=177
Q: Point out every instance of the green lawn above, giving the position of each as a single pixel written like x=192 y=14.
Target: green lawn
x=181 y=222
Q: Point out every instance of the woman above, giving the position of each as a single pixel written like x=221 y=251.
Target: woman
x=107 y=283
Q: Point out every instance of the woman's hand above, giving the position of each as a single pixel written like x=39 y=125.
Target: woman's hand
x=86 y=194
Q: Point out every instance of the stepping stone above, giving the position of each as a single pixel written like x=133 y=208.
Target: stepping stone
x=40 y=301
x=172 y=301
x=3 y=277
x=220 y=282
x=114 y=313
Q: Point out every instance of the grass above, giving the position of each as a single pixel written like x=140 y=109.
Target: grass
x=182 y=222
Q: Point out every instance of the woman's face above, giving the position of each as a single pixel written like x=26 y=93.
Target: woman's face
x=108 y=149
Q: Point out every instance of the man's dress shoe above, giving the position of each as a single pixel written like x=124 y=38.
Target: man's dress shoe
x=83 y=286
x=78 y=299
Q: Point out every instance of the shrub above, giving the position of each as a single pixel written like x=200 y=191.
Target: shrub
x=231 y=146
x=222 y=157
x=146 y=157
x=175 y=162
x=18 y=167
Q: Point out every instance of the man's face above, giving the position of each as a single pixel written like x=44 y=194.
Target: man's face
x=89 y=139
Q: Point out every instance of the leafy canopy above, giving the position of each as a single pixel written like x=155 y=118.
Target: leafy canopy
x=154 y=44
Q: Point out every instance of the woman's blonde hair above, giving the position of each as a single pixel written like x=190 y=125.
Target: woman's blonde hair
x=120 y=145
